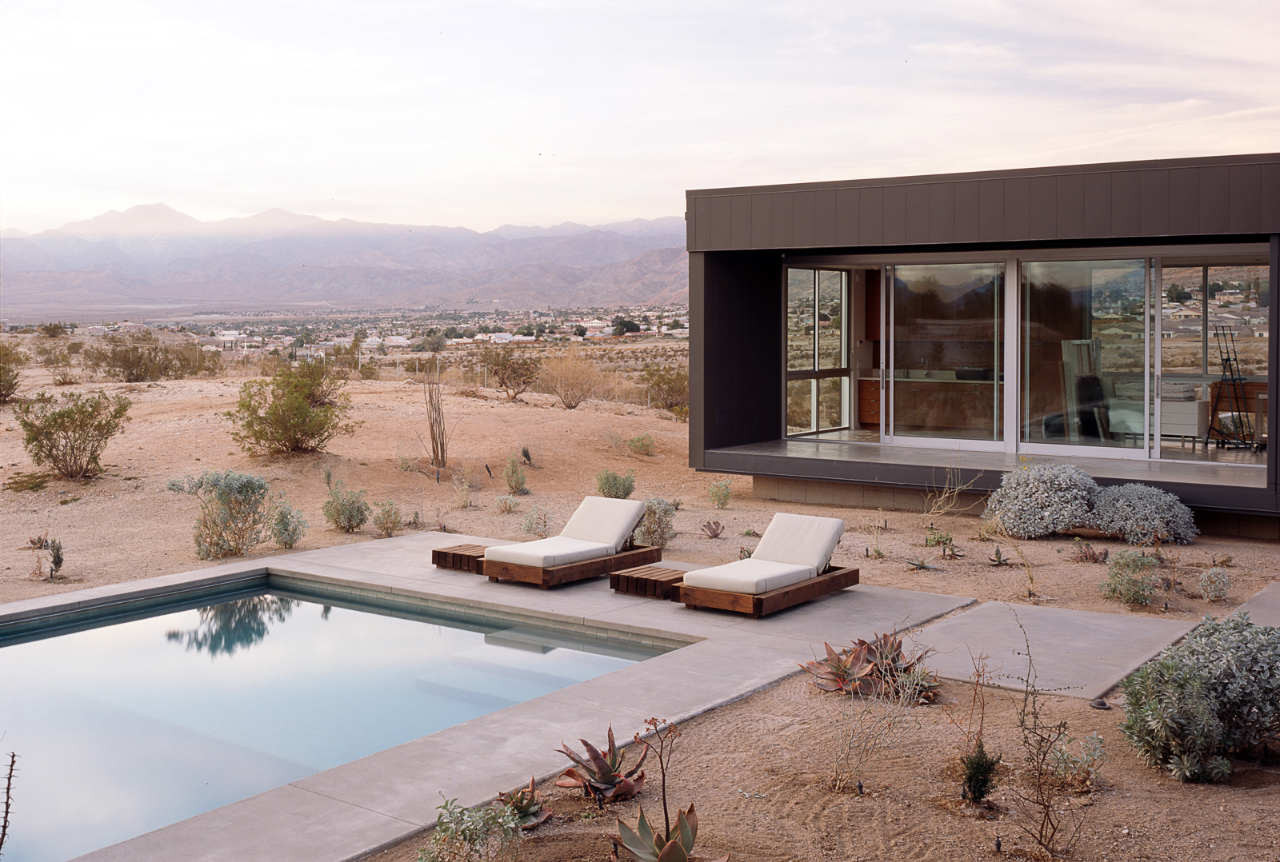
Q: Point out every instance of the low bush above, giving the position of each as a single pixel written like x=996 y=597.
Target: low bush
x=513 y=475
x=511 y=372
x=1131 y=578
x=667 y=387
x=506 y=504
x=1079 y=771
x=387 y=519
x=1215 y=694
x=141 y=357
x=69 y=434
x=236 y=512
x=720 y=492
x=615 y=485
x=979 y=773
x=300 y=409
x=1215 y=584
x=347 y=510
x=485 y=834
x=572 y=378
x=11 y=359
x=1042 y=500
x=641 y=444
x=1143 y=515
x=536 y=523
x=287 y=526
x=657 y=525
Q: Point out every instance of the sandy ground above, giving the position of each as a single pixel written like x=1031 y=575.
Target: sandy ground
x=755 y=768
x=126 y=525
x=757 y=771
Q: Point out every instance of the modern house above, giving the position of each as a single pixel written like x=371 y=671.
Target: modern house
x=853 y=341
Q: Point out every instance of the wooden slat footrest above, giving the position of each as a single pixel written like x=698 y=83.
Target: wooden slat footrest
x=762 y=604
x=460 y=558
x=652 y=582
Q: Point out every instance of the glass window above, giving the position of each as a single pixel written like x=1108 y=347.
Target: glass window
x=947 y=376
x=1084 y=353
x=817 y=350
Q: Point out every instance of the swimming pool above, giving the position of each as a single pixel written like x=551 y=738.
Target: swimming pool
x=131 y=725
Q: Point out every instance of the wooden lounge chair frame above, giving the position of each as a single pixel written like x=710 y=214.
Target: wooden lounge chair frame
x=554 y=576
x=762 y=604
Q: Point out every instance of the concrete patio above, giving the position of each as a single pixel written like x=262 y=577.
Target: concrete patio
x=355 y=808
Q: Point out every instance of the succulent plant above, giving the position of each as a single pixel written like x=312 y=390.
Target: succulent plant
x=841 y=671
x=713 y=529
x=920 y=566
x=998 y=559
x=873 y=667
x=647 y=845
x=600 y=774
x=524 y=801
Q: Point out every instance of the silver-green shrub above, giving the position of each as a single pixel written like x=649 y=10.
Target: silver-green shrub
x=1215 y=694
x=346 y=510
x=236 y=512
x=720 y=492
x=507 y=504
x=657 y=526
x=536 y=523
x=1131 y=578
x=1143 y=515
x=514 y=476
x=484 y=834
x=387 y=519
x=1215 y=583
x=287 y=526
x=1041 y=500
x=616 y=485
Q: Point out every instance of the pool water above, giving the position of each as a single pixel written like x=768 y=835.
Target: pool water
x=131 y=726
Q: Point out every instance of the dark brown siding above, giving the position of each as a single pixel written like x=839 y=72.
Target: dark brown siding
x=1236 y=195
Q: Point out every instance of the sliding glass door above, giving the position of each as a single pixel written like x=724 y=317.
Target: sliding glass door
x=817 y=397
x=945 y=345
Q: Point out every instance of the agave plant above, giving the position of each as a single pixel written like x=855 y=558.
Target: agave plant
x=601 y=775
x=647 y=845
x=525 y=803
x=873 y=667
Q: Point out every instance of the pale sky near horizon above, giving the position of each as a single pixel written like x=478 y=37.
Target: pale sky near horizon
x=536 y=112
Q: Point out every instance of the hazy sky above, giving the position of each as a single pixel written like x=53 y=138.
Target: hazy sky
x=536 y=112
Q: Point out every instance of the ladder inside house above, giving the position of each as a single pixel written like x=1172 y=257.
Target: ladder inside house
x=1229 y=398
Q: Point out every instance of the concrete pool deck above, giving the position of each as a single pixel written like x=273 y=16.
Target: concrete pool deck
x=359 y=807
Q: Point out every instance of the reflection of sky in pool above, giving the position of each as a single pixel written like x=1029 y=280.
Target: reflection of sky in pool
x=123 y=729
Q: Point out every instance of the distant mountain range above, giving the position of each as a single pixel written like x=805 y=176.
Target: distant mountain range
x=152 y=259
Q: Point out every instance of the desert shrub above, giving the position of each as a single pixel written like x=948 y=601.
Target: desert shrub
x=141 y=357
x=720 y=492
x=369 y=371
x=236 y=512
x=387 y=519
x=345 y=509
x=300 y=409
x=507 y=504
x=641 y=444
x=1215 y=694
x=485 y=834
x=1215 y=583
x=461 y=490
x=1143 y=515
x=616 y=485
x=1131 y=578
x=536 y=523
x=513 y=475
x=667 y=387
x=979 y=773
x=657 y=526
x=513 y=374
x=70 y=434
x=571 y=378
x=1042 y=500
x=287 y=526
x=11 y=359
x=1079 y=771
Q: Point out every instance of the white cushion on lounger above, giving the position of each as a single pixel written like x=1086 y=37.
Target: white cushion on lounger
x=803 y=540
x=544 y=553
x=749 y=576
x=604 y=520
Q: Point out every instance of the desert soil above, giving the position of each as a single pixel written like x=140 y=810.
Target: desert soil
x=757 y=768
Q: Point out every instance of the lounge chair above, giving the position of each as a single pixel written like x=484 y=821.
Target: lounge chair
x=790 y=565
x=596 y=541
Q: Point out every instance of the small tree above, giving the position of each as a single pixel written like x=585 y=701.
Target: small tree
x=70 y=434
x=11 y=359
x=300 y=409
x=572 y=378
x=668 y=388
x=513 y=373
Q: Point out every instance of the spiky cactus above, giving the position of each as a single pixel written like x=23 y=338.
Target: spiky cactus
x=527 y=805
x=600 y=774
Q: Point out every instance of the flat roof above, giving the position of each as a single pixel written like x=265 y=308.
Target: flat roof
x=1234 y=197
